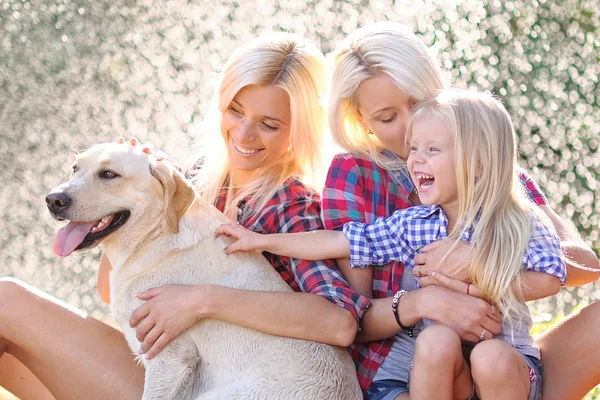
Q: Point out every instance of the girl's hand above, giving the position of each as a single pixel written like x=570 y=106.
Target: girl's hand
x=168 y=311
x=148 y=148
x=439 y=279
x=246 y=240
x=456 y=264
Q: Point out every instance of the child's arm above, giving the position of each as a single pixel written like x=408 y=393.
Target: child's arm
x=582 y=263
x=311 y=245
x=545 y=270
x=386 y=240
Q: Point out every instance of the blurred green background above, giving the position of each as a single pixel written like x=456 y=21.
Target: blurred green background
x=73 y=73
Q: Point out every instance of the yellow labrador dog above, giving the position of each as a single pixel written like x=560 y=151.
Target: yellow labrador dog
x=156 y=231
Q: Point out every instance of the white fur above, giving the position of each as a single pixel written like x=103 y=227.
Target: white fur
x=212 y=359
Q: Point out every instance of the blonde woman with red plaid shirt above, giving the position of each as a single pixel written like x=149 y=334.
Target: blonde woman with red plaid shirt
x=271 y=121
x=380 y=71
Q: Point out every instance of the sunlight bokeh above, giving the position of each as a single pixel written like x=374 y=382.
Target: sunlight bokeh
x=77 y=72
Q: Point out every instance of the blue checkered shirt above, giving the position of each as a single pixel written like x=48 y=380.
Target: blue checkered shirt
x=399 y=238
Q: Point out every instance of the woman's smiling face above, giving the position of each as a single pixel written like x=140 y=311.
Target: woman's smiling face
x=256 y=128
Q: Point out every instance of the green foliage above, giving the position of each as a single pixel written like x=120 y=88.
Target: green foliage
x=594 y=394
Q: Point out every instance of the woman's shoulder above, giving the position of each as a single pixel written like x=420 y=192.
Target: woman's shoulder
x=293 y=190
x=531 y=187
x=294 y=207
x=349 y=161
x=352 y=169
x=344 y=164
x=348 y=170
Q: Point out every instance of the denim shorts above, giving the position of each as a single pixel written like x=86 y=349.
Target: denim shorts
x=386 y=389
x=535 y=379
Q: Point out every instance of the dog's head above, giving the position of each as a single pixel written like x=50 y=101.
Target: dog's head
x=117 y=191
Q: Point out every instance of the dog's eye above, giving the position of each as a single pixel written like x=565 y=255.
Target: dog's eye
x=108 y=175
x=75 y=167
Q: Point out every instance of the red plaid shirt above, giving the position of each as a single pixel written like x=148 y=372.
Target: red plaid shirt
x=357 y=189
x=296 y=208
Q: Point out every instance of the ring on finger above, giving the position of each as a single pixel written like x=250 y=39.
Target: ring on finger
x=482 y=336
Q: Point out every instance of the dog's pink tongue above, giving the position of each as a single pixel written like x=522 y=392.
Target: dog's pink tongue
x=69 y=237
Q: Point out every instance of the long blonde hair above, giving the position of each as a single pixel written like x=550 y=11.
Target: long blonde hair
x=301 y=70
x=384 y=47
x=490 y=197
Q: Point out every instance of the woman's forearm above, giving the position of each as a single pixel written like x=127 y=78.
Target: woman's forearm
x=467 y=315
x=298 y=315
x=379 y=321
x=582 y=263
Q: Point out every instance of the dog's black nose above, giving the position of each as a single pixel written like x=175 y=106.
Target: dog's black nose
x=57 y=202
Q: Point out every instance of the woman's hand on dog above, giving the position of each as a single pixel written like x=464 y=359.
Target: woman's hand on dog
x=246 y=240
x=168 y=310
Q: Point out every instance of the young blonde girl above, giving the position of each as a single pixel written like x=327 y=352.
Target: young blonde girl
x=462 y=158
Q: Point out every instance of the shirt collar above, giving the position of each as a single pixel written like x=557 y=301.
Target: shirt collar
x=399 y=176
x=467 y=235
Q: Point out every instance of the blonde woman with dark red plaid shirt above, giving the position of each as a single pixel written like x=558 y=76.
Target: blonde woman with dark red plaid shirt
x=379 y=72
x=272 y=122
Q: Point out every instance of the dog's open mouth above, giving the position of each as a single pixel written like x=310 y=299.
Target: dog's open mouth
x=81 y=235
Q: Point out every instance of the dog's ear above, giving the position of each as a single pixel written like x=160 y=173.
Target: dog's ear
x=178 y=192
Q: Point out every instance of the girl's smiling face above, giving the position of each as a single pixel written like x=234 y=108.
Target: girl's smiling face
x=431 y=163
x=256 y=128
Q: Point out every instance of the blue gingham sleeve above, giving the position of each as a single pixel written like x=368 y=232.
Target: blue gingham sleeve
x=543 y=253
x=384 y=241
